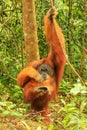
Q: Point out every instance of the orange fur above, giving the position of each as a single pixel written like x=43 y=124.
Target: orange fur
x=32 y=81
x=54 y=39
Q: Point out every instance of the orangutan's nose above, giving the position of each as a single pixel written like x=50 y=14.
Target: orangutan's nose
x=44 y=75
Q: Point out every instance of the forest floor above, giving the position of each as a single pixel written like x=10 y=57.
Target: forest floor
x=30 y=120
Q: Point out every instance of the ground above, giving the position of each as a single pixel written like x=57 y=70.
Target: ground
x=33 y=121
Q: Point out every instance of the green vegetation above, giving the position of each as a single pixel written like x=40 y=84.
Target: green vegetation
x=69 y=111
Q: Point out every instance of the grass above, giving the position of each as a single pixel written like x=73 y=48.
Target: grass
x=68 y=112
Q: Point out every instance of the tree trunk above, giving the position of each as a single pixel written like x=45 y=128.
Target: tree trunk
x=29 y=30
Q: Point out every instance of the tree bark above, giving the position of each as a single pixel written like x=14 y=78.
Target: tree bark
x=30 y=30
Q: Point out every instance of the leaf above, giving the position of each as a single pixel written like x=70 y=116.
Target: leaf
x=51 y=127
x=8 y=2
x=39 y=128
x=15 y=113
x=83 y=103
x=27 y=127
x=3 y=104
x=75 y=128
x=62 y=100
x=6 y=113
x=78 y=89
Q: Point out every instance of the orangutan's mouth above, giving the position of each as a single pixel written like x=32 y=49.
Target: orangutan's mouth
x=41 y=89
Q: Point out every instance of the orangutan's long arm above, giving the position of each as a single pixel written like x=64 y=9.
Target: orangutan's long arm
x=55 y=40
x=29 y=73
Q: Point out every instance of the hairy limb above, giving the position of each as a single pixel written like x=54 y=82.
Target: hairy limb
x=28 y=73
x=55 y=40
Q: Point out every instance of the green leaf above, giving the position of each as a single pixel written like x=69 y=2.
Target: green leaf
x=75 y=128
x=8 y=2
x=51 y=127
x=83 y=103
x=39 y=128
x=78 y=89
x=15 y=113
x=27 y=127
x=6 y=113
x=3 y=104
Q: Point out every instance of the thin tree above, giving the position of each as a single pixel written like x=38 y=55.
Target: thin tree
x=30 y=30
